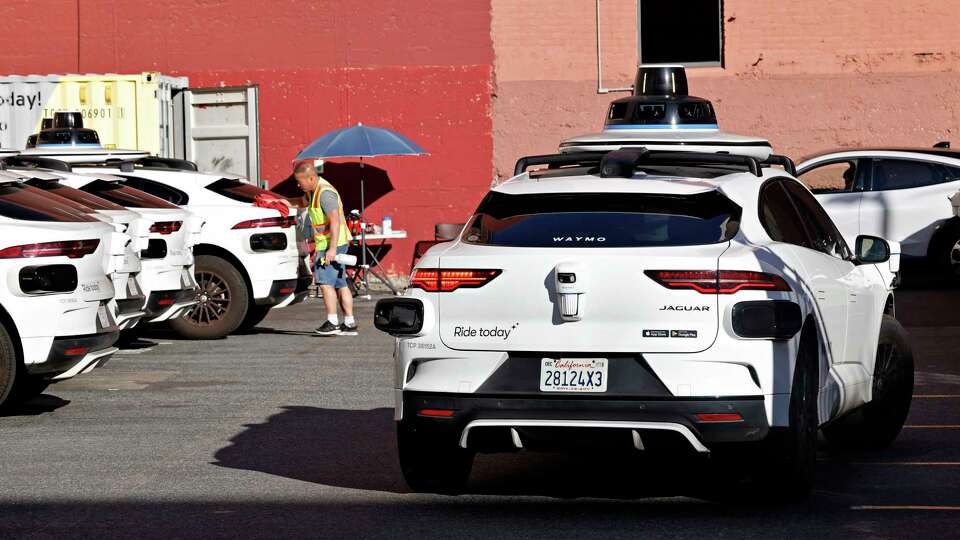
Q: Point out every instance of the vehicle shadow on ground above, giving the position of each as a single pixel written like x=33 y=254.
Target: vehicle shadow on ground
x=42 y=404
x=357 y=449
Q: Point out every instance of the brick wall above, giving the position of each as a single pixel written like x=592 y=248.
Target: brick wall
x=808 y=75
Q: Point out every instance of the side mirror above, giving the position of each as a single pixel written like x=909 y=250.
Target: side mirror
x=872 y=250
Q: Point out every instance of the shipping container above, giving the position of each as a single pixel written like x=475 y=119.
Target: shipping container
x=127 y=111
x=220 y=129
x=216 y=127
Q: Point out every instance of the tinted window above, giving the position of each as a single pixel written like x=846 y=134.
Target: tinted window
x=124 y=195
x=163 y=191
x=19 y=201
x=236 y=190
x=603 y=220
x=75 y=195
x=839 y=177
x=826 y=238
x=904 y=174
x=779 y=217
x=674 y=32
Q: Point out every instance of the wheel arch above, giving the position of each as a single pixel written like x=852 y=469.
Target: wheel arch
x=11 y=326
x=941 y=235
x=216 y=251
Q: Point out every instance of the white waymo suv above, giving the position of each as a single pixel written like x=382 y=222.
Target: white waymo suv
x=54 y=317
x=164 y=234
x=902 y=194
x=650 y=300
x=247 y=260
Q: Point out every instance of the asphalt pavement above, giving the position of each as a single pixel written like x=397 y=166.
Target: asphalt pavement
x=278 y=433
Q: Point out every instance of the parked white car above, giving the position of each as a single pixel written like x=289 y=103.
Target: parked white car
x=247 y=260
x=55 y=322
x=647 y=300
x=164 y=233
x=903 y=195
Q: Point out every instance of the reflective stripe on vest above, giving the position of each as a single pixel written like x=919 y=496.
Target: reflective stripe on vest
x=318 y=218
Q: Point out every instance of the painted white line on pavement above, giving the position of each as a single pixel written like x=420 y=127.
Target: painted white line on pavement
x=904 y=507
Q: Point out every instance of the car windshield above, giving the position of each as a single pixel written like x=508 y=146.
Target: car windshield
x=75 y=195
x=603 y=220
x=19 y=201
x=236 y=190
x=124 y=195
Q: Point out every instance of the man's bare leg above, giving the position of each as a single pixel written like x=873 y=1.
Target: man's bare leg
x=346 y=301
x=329 y=299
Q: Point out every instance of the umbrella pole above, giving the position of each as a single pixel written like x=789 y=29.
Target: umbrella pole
x=363 y=232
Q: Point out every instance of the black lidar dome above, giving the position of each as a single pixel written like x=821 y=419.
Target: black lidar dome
x=660 y=81
x=660 y=101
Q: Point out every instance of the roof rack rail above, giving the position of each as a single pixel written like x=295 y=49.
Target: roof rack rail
x=556 y=160
x=37 y=162
x=167 y=163
x=785 y=162
x=612 y=162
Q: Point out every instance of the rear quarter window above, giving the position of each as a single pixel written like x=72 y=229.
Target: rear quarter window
x=603 y=220
x=124 y=195
x=22 y=202
x=236 y=190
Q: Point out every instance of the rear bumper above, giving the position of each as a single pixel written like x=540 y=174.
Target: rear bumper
x=496 y=422
x=129 y=311
x=163 y=305
x=73 y=355
x=282 y=291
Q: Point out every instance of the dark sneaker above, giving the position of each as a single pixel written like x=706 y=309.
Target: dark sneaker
x=327 y=329
x=348 y=330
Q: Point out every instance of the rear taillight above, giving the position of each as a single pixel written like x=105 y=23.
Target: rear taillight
x=444 y=280
x=166 y=227
x=284 y=222
x=722 y=282
x=72 y=249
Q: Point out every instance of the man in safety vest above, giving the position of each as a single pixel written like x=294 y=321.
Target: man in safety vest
x=331 y=237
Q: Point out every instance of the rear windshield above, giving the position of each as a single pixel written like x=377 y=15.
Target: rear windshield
x=75 y=195
x=124 y=195
x=19 y=201
x=603 y=220
x=236 y=190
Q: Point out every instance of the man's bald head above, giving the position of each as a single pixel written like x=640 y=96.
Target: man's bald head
x=306 y=176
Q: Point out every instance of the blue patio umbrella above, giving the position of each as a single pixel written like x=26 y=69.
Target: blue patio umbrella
x=361 y=141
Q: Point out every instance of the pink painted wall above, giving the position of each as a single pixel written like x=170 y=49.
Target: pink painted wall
x=808 y=75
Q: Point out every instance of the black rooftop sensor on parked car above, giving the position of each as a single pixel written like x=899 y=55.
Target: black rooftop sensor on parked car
x=660 y=101
x=64 y=129
x=623 y=162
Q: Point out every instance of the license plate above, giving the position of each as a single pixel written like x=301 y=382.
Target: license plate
x=573 y=375
x=103 y=316
x=132 y=286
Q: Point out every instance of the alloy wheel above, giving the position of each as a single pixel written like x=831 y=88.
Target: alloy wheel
x=213 y=299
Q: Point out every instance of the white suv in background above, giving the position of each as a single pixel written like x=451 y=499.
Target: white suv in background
x=54 y=317
x=247 y=260
x=647 y=300
x=901 y=194
x=165 y=233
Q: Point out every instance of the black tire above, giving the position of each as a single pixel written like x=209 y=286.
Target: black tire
x=791 y=452
x=877 y=423
x=255 y=315
x=432 y=464
x=8 y=365
x=224 y=301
